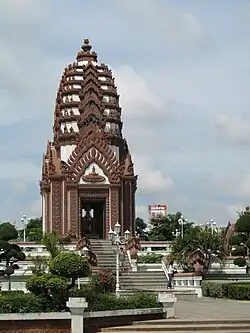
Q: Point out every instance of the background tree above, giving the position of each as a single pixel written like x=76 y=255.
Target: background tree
x=141 y=227
x=210 y=242
x=241 y=241
x=164 y=227
x=9 y=253
x=34 y=230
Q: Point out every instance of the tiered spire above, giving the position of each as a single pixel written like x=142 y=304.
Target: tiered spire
x=85 y=53
x=87 y=94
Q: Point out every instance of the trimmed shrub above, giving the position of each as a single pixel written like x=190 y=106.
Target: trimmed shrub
x=108 y=301
x=13 y=302
x=214 y=289
x=241 y=262
x=239 y=291
x=150 y=258
x=103 y=281
x=39 y=284
x=231 y=290
x=11 y=292
x=240 y=251
x=236 y=239
x=69 y=265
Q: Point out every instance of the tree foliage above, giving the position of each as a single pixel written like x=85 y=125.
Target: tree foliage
x=210 y=243
x=51 y=242
x=53 y=287
x=164 y=227
x=241 y=241
x=9 y=253
x=8 y=232
x=34 y=230
x=141 y=228
x=69 y=265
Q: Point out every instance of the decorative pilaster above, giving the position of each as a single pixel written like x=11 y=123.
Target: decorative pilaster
x=56 y=205
x=74 y=210
x=115 y=206
x=65 y=208
x=46 y=209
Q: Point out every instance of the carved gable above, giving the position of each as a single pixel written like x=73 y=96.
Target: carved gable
x=93 y=174
x=94 y=149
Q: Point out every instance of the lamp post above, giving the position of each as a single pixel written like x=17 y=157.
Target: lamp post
x=84 y=253
x=115 y=238
x=25 y=221
x=176 y=233
x=182 y=221
x=211 y=225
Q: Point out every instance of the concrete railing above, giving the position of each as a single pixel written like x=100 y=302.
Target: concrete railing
x=186 y=281
x=34 y=249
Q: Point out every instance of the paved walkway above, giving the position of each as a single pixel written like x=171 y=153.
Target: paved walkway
x=209 y=308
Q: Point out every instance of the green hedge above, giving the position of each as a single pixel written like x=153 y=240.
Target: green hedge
x=150 y=258
x=13 y=302
x=232 y=290
x=109 y=301
x=239 y=291
x=18 y=302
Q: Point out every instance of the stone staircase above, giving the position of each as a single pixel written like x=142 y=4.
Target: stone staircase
x=106 y=254
x=181 y=326
x=131 y=282
x=150 y=281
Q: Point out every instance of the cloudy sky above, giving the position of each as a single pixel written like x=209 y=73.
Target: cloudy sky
x=183 y=72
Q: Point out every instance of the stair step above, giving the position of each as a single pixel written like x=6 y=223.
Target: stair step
x=192 y=321
x=184 y=331
x=204 y=327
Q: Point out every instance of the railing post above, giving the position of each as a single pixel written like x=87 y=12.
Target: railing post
x=168 y=301
x=77 y=306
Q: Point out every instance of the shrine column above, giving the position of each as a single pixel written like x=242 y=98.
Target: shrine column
x=72 y=209
x=56 y=190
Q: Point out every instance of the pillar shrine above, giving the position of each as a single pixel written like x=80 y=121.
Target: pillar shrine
x=88 y=181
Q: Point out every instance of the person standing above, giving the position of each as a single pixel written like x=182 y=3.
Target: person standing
x=122 y=259
x=170 y=272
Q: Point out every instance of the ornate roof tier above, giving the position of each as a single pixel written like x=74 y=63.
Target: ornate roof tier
x=86 y=94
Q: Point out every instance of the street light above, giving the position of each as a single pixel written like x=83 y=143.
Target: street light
x=25 y=221
x=176 y=233
x=182 y=221
x=115 y=239
x=84 y=253
x=212 y=225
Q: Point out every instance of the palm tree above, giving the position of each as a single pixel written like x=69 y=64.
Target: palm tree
x=51 y=242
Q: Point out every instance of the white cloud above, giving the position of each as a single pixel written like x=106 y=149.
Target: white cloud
x=137 y=99
x=152 y=179
x=234 y=128
x=168 y=24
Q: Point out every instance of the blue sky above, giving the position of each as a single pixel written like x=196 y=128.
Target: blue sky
x=183 y=72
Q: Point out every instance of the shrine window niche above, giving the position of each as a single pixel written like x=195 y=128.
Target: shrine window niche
x=91 y=120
